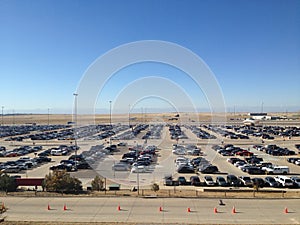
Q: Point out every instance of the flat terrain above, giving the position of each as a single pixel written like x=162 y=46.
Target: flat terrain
x=252 y=207
x=147 y=211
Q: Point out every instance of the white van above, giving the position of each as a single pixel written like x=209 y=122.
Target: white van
x=278 y=170
x=284 y=181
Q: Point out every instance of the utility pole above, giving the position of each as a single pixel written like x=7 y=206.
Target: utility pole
x=110 y=113
x=48 y=116
x=75 y=118
x=2 y=123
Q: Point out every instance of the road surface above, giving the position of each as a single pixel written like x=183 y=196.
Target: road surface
x=147 y=210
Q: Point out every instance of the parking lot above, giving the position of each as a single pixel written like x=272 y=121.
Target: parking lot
x=144 y=154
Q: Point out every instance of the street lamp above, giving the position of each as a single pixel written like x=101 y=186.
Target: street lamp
x=129 y=116
x=110 y=121
x=110 y=113
x=2 y=117
x=48 y=115
x=75 y=118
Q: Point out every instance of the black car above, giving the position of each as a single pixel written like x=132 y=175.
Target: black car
x=257 y=181
x=195 y=180
x=62 y=167
x=271 y=182
x=186 y=169
x=220 y=181
x=209 y=169
x=83 y=165
x=232 y=180
x=255 y=170
x=182 y=181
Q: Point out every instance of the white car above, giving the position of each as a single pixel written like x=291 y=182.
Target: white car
x=284 y=181
x=138 y=169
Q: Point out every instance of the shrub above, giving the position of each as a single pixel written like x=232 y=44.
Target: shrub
x=7 y=183
x=97 y=184
x=155 y=187
x=61 y=181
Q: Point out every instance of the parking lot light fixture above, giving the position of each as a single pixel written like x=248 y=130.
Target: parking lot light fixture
x=75 y=118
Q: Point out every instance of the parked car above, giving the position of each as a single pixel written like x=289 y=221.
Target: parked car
x=209 y=169
x=186 y=169
x=271 y=182
x=296 y=181
x=232 y=180
x=254 y=170
x=246 y=181
x=209 y=181
x=195 y=180
x=257 y=181
x=278 y=170
x=220 y=181
x=284 y=181
x=182 y=181
x=168 y=180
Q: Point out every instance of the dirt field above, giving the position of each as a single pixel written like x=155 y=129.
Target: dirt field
x=123 y=118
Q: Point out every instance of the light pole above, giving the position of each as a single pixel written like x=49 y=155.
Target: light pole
x=110 y=121
x=75 y=118
x=129 y=116
x=2 y=117
x=110 y=113
x=48 y=115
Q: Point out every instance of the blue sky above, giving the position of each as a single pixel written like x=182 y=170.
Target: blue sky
x=252 y=47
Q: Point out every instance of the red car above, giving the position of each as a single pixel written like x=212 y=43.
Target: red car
x=244 y=153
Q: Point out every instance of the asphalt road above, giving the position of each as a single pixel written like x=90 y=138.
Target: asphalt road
x=142 y=210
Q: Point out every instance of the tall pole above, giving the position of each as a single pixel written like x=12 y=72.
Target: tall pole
x=129 y=116
x=13 y=117
x=75 y=118
x=48 y=115
x=110 y=113
x=2 y=117
x=110 y=121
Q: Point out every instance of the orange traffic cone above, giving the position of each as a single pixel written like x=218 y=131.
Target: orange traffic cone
x=189 y=209
x=286 y=210
x=215 y=210
x=160 y=209
x=48 y=207
x=119 y=208
x=233 y=210
x=65 y=207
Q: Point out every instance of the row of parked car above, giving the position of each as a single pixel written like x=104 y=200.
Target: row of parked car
x=154 y=132
x=22 y=164
x=294 y=160
x=138 y=160
x=130 y=134
x=275 y=150
x=7 y=131
x=73 y=163
x=176 y=132
x=231 y=150
x=20 y=151
x=60 y=150
x=234 y=181
x=186 y=150
x=200 y=133
x=198 y=164
x=224 y=132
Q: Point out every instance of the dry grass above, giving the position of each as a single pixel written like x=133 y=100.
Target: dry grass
x=171 y=193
